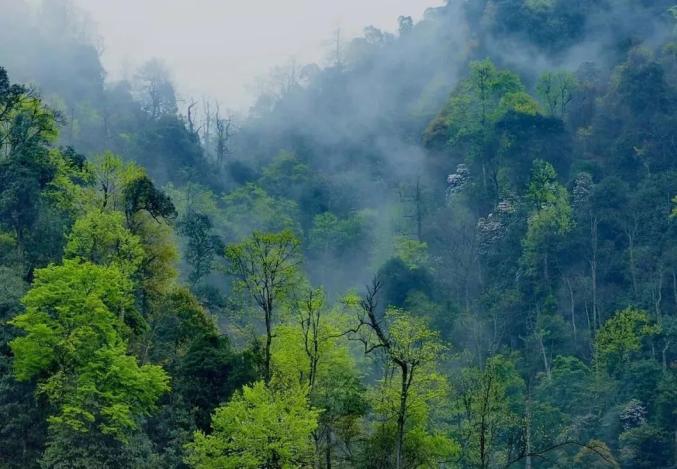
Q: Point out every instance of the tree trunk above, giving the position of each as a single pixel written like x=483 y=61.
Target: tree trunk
x=528 y=430
x=406 y=380
x=546 y=273
x=658 y=296
x=269 y=340
x=545 y=355
x=572 y=305
x=327 y=452
x=631 y=252
x=593 y=272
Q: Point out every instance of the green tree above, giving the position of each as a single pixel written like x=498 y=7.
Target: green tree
x=27 y=129
x=332 y=235
x=311 y=350
x=409 y=345
x=550 y=220
x=75 y=346
x=595 y=455
x=202 y=245
x=622 y=335
x=111 y=177
x=266 y=265
x=556 y=90
x=487 y=412
x=101 y=238
x=259 y=427
x=141 y=194
x=470 y=122
x=251 y=208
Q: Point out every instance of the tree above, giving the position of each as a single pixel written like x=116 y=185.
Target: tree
x=622 y=335
x=141 y=194
x=266 y=266
x=405 y=25
x=250 y=208
x=156 y=89
x=202 y=244
x=259 y=427
x=101 y=238
x=468 y=123
x=487 y=412
x=556 y=90
x=27 y=129
x=332 y=239
x=224 y=134
x=646 y=446
x=408 y=344
x=311 y=350
x=595 y=455
x=26 y=124
x=550 y=220
x=111 y=177
x=75 y=346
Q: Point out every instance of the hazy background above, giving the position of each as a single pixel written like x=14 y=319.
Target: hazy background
x=220 y=48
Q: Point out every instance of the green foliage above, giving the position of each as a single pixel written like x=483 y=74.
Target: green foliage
x=202 y=245
x=479 y=101
x=412 y=252
x=487 y=411
x=550 y=220
x=250 y=208
x=556 y=90
x=74 y=345
x=411 y=339
x=622 y=335
x=193 y=197
x=101 y=238
x=338 y=236
x=595 y=454
x=284 y=174
x=70 y=189
x=561 y=210
x=258 y=428
x=645 y=446
x=548 y=25
x=84 y=450
x=158 y=271
x=266 y=266
x=111 y=177
x=141 y=194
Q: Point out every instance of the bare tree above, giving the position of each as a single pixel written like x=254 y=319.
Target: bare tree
x=191 y=118
x=224 y=132
x=156 y=89
x=206 y=124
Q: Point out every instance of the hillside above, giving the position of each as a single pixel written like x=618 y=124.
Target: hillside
x=450 y=246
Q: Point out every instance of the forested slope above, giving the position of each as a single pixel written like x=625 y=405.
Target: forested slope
x=453 y=246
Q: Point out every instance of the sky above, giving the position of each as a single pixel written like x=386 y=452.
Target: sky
x=221 y=48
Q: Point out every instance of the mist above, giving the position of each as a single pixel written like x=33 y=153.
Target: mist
x=377 y=234
x=225 y=48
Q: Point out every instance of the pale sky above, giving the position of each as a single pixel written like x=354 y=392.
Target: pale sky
x=218 y=48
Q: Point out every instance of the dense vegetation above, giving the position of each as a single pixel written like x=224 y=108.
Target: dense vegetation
x=450 y=247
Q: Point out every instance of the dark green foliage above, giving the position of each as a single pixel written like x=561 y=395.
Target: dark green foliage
x=202 y=244
x=74 y=450
x=141 y=194
x=209 y=373
x=399 y=281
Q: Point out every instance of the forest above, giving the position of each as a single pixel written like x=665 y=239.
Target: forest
x=449 y=246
